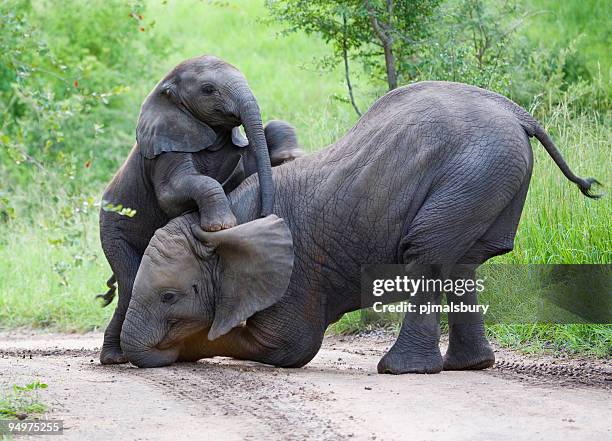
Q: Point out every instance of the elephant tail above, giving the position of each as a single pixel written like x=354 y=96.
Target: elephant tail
x=584 y=184
x=109 y=295
x=533 y=128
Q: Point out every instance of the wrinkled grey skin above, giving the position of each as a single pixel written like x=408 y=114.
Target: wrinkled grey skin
x=189 y=152
x=435 y=172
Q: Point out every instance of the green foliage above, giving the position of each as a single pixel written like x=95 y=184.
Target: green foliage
x=59 y=77
x=594 y=340
x=119 y=209
x=474 y=43
x=65 y=77
x=22 y=401
x=348 y=24
x=554 y=24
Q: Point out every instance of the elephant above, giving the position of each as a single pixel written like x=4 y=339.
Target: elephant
x=433 y=173
x=189 y=151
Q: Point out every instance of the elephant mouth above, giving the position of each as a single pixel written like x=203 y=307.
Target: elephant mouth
x=177 y=332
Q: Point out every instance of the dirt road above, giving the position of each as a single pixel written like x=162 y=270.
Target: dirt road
x=337 y=396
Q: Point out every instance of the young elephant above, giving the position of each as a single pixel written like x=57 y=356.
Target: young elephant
x=433 y=173
x=188 y=147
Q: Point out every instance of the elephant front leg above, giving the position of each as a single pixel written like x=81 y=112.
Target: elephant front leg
x=416 y=349
x=207 y=193
x=468 y=348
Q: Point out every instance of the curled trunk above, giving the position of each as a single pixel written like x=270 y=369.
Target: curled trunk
x=253 y=127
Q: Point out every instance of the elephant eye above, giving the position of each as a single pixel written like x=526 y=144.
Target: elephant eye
x=168 y=297
x=208 y=89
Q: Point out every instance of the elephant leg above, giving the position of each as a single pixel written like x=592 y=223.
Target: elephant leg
x=444 y=229
x=416 y=348
x=176 y=193
x=124 y=262
x=430 y=240
x=282 y=142
x=468 y=347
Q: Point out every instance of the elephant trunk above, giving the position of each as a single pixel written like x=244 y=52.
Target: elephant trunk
x=250 y=116
x=138 y=343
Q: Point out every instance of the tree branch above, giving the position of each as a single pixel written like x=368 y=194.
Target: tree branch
x=386 y=40
x=346 y=64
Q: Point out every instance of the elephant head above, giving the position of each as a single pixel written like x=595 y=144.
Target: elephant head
x=193 y=105
x=190 y=281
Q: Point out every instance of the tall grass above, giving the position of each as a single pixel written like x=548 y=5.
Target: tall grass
x=559 y=224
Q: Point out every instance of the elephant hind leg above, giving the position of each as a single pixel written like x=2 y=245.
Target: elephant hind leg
x=452 y=220
x=124 y=262
x=416 y=349
x=468 y=347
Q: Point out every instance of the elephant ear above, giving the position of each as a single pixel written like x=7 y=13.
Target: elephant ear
x=256 y=261
x=165 y=126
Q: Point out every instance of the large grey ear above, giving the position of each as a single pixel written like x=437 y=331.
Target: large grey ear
x=256 y=260
x=165 y=126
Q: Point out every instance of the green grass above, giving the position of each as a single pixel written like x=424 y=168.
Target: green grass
x=34 y=294
x=22 y=401
x=44 y=283
x=568 y=339
x=557 y=22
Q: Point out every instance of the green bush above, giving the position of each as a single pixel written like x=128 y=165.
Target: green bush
x=69 y=108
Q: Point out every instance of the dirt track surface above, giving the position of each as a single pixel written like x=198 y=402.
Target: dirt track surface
x=337 y=396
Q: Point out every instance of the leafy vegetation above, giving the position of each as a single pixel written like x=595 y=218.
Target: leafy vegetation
x=72 y=81
x=22 y=401
x=384 y=36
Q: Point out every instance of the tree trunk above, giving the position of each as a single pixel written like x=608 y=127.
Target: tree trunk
x=346 y=66
x=385 y=37
x=390 y=64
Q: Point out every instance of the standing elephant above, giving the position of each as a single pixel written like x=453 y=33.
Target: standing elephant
x=433 y=173
x=188 y=147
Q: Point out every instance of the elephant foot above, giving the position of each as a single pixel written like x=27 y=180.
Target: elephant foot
x=468 y=349
x=415 y=351
x=412 y=353
x=217 y=218
x=396 y=363
x=110 y=355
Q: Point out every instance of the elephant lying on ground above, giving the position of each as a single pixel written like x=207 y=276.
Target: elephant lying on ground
x=434 y=172
x=188 y=151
